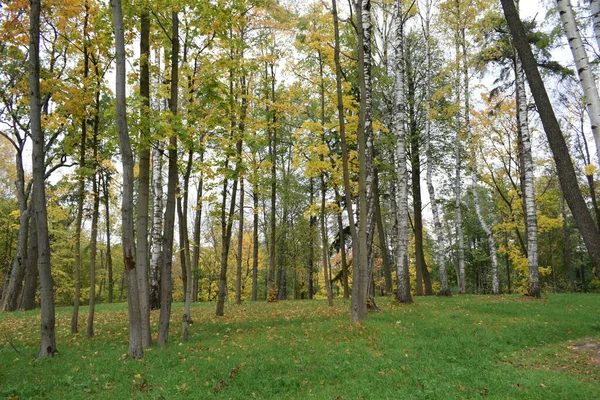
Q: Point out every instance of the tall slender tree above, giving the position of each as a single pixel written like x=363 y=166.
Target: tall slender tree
x=127 y=234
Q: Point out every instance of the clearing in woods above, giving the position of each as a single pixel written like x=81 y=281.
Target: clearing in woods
x=438 y=348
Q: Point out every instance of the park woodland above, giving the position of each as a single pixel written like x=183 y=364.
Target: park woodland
x=172 y=154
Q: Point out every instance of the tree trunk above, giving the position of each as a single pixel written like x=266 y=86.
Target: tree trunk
x=415 y=162
x=528 y=182
x=47 y=325
x=567 y=257
x=385 y=253
x=157 y=224
x=398 y=129
x=342 y=237
x=31 y=269
x=342 y=130
x=586 y=77
x=312 y=222
x=80 y=193
x=141 y=257
x=595 y=10
x=11 y=290
x=272 y=133
x=462 y=286
x=238 y=274
x=184 y=243
x=564 y=166
x=166 y=285
x=109 y=265
x=94 y=234
x=255 y=244
x=363 y=264
x=135 y=324
x=197 y=231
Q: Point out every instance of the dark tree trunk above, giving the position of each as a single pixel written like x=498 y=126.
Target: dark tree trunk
x=255 y=245
x=166 y=285
x=141 y=256
x=47 y=325
x=127 y=231
x=31 y=269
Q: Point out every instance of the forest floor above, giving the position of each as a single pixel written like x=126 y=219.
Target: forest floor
x=501 y=347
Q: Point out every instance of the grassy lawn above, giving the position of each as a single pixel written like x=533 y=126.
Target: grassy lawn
x=505 y=347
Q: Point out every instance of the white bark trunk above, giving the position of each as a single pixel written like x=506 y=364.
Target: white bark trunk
x=398 y=130
x=595 y=10
x=462 y=287
x=439 y=233
x=528 y=188
x=586 y=77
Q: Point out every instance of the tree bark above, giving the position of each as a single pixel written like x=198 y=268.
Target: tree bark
x=399 y=131
x=595 y=10
x=11 y=290
x=363 y=264
x=127 y=239
x=81 y=189
x=31 y=269
x=166 y=285
x=564 y=166
x=342 y=130
x=586 y=77
x=141 y=256
x=240 y=246
x=529 y=210
x=109 y=265
x=47 y=325
x=255 y=243
x=383 y=243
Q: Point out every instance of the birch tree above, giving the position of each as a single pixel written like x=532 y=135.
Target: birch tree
x=425 y=15
x=586 y=77
x=399 y=131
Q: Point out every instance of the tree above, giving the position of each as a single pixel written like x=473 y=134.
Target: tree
x=166 y=284
x=47 y=325
x=127 y=234
x=586 y=77
x=560 y=152
x=398 y=125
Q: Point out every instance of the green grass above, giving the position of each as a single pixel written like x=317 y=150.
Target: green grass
x=500 y=347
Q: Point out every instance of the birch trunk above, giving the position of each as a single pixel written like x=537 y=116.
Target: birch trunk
x=586 y=76
x=135 y=325
x=595 y=10
x=528 y=182
x=462 y=287
x=157 y=224
x=399 y=132
x=439 y=233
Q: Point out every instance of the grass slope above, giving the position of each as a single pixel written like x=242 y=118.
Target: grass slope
x=501 y=347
